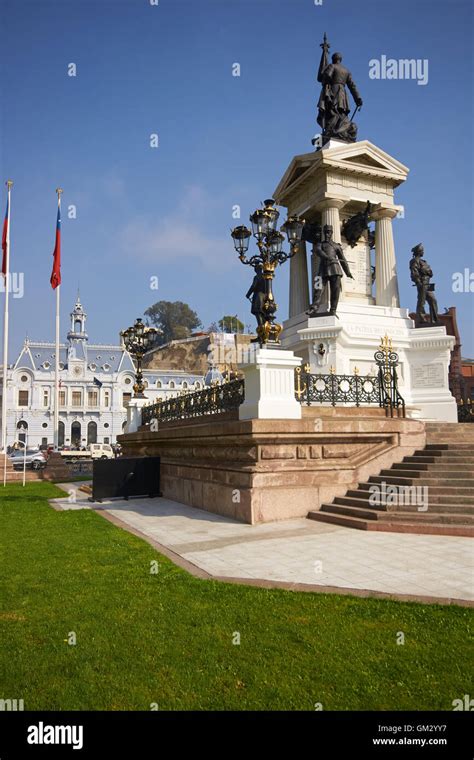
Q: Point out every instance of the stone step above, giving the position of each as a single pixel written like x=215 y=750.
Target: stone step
x=460 y=426
x=423 y=478
x=455 y=467
x=348 y=521
x=451 y=493
x=446 y=457
x=456 y=458
x=361 y=498
x=430 y=517
x=440 y=437
x=432 y=476
x=451 y=447
x=15 y=477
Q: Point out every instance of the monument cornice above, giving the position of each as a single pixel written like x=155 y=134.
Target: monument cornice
x=342 y=158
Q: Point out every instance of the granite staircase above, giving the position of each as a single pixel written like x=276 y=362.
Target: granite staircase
x=438 y=497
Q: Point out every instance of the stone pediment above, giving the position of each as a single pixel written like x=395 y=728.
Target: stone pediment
x=361 y=158
x=365 y=154
x=365 y=161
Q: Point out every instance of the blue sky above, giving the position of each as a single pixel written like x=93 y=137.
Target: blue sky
x=223 y=140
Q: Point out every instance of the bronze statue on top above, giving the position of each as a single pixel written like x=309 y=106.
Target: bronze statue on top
x=421 y=274
x=333 y=104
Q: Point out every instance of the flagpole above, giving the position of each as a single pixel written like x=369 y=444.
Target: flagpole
x=9 y=184
x=56 y=362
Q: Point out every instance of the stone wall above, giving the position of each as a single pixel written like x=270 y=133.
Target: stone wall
x=264 y=470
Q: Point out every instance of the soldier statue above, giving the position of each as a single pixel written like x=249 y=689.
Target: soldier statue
x=333 y=104
x=421 y=274
x=257 y=294
x=332 y=265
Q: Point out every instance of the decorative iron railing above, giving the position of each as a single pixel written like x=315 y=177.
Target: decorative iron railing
x=466 y=411
x=337 y=389
x=359 y=390
x=213 y=400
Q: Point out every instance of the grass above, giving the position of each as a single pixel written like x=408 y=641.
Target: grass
x=167 y=638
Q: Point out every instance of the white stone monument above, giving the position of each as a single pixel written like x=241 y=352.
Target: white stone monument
x=326 y=187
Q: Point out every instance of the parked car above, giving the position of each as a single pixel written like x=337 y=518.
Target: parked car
x=35 y=459
x=93 y=451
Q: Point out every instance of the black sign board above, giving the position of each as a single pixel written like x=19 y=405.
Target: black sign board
x=125 y=477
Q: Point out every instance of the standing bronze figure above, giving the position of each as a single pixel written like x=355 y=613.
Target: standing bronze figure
x=257 y=294
x=332 y=265
x=421 y=274
x=333 y=104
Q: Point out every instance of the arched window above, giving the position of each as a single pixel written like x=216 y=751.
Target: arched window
x=158 y=384
x=185 y=385
x=76 y=434
x=172 y=384
x=61 y=433
x=23 y=428
x=92 y=432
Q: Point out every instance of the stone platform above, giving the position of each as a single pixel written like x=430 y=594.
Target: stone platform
x=263 y=470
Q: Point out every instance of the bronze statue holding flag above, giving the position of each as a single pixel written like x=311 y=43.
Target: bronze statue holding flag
x=333 y=104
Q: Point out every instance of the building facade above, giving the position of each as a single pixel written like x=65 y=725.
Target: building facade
x=96 y=384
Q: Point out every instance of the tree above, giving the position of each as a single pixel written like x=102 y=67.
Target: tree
x=230 y=324
x=175 y=319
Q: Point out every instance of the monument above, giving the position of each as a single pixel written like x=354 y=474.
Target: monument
x=258 y=449
x=346 y=184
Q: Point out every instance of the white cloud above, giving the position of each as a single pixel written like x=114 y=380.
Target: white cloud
x=182 y=234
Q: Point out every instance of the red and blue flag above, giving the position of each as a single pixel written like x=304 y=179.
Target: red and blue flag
x=56 y=273
x=4 y=240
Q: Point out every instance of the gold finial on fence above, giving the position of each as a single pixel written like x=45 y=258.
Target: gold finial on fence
x=386 y=344
x=356 y=370
x=332 y=370
x=300 y=387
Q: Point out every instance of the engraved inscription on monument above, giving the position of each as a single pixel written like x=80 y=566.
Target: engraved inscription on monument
x=428 y=376
x=359 y=264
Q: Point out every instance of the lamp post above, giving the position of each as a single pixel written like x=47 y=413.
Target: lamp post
x=137 y=340
x=269 y=243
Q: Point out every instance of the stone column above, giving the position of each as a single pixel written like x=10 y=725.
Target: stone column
x=386 y=281
x=329 y=208
x=299 y=292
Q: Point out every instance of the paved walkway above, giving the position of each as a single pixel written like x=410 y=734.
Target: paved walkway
x=298 y=553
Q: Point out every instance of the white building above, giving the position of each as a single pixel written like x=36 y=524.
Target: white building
x=96 y=384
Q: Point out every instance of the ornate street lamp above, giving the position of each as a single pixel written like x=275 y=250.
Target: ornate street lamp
x=137 y=340
x=269 y=243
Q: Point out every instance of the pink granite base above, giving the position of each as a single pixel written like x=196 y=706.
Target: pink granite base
x=264 y=470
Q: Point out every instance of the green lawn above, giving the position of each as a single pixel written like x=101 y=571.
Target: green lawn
x=167 y=638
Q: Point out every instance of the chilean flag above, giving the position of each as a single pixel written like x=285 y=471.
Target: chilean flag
x=4 y=240
x=56 y=273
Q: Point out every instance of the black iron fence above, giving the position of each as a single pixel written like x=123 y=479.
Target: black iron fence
x=213 y=400
x=360 y=390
